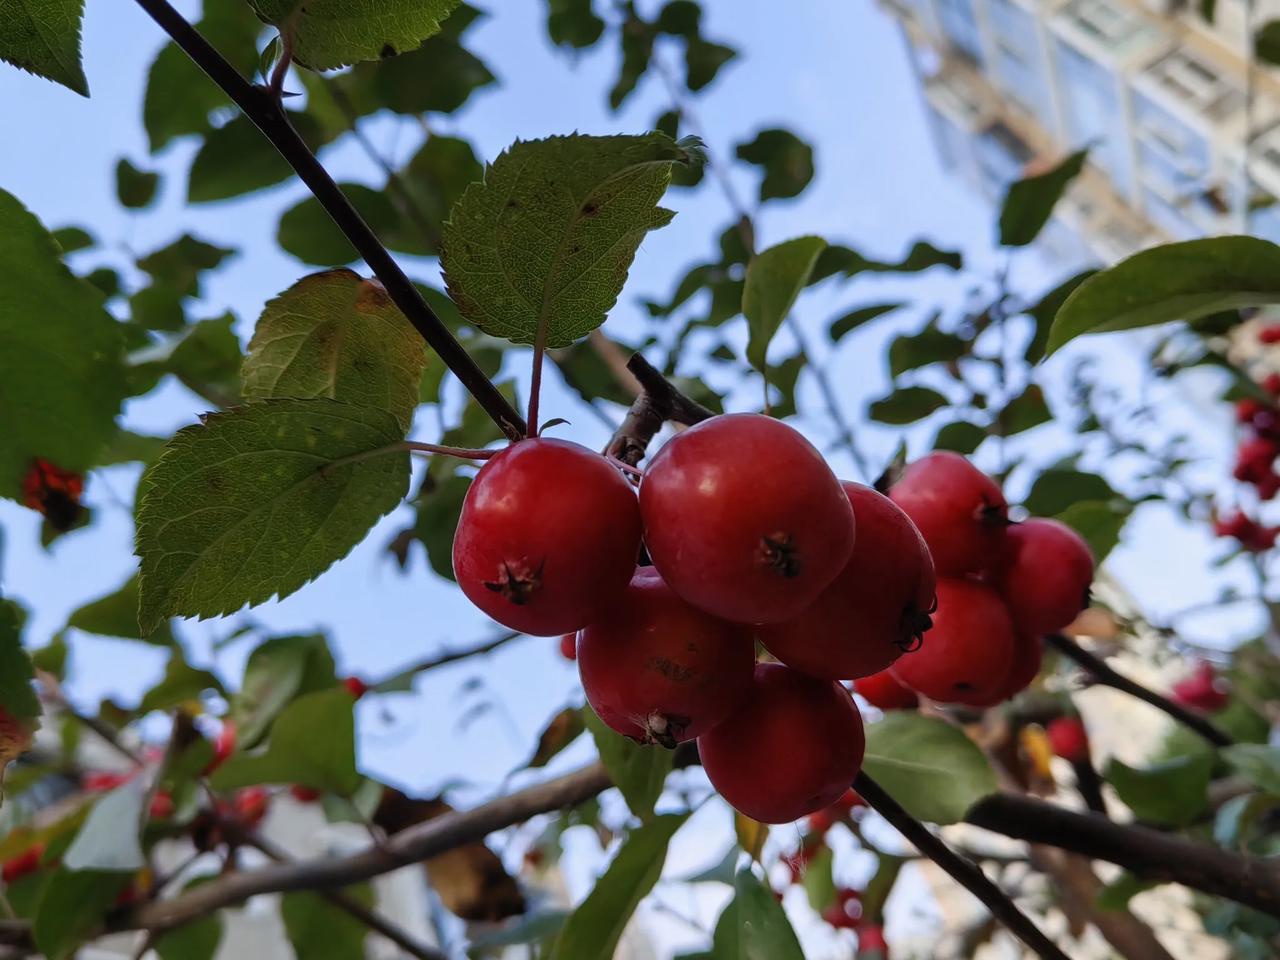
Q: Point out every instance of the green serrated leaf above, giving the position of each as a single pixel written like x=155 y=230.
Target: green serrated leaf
x=1029 y=202
x=1177 y=281
x=638 y=771
x=60 y=401
x=1172 y=791
x=787 y=162
x=338 y=336
x=109 y=839
x=907 y=405
x=930 y=345
x=44 y=38
x=593 y=930
x=238 y=508
x=929 y=766
x=546 y=240
x=316 y=929
x=328 y=34
x=278 y=670
x=774 y=280
x=297 y=753
x=135 y=188
x=754 y=925
x=440 y=75
x=855 y=318
x=116 y=615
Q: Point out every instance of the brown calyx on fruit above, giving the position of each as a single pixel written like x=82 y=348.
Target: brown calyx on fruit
x=517 y=582
x=663 y=729
x=911 y=629
x=778 y=553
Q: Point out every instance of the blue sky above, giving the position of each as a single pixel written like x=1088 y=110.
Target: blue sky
x=837 y=73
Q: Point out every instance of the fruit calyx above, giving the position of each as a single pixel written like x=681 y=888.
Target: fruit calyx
x=914 y=624
x=517 y=582
x=778 y=553
x=663 y=729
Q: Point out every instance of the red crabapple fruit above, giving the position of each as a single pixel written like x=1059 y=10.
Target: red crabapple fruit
x=882 y=690
x=547 y=538
x=958 y=509
x=876 y=608
x=659 y=670
x=968 y=653
x=744 y=519
x=791 y=748
x=1068 y=738
x=1045 y=575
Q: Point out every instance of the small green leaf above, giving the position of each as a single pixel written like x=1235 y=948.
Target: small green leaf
x=1029 y=202
x=439 y=508
x=72 y=908
x=1266 y=41
x=849 y=263
x=135 y=188
x=960 y=436
x=179 y=265
x=109 y=839
x=236 y=159
x=857 y=317
x=929 y=766
x=308 y=233
x=316 y=929
x=1028 y=409
x=44 y=38
x=1258 y=763
x=774 y=280
x=754 y=926
x=338 y=336
x=638 y=771
x=157 y=308
x=440 y=75
x=73 y=239
x=546 y=240
x=60 y=400
x=17 y=696
x=1099 y=522
x=907 y=405
x=787 y=162
x=1057 y=489
x=181 y=682
x=585 y=371
x=593 y=930
x=573 y=23
x=116 y=615
x=1234 y=818
x=198 y=940
x=278 y=670
x=1172 y=791
x=253 y=503
x=930 y=345
x=336 y=33
x=312 y=742
x=703 y=60
x=1178 y=281
x=1117 y=894
x=1044 y=312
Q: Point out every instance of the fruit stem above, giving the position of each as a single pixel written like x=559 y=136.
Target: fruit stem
x=535 y=381
x=413 y=446
x=962 y=871
x=625 y=467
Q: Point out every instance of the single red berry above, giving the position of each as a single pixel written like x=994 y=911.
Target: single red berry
x=1254 y=458
x=251 y=804
x=958 y=509
x=877 y=607
x=355 y=686
x=1028 y=655
x=792 y=747
x=1045 y=576
x=1246 y=409
x=1268 y=486
x=547 y=538
x=659 y=670
x=101 y=781
x=224 y=745
x=304 y=794
x=24 y=864
x=1271 y=384
x=1269 y=334
x=569 y=646
x=846 y=912
x=871 y=940
x=968 y=653
x=884 y=691
x=54 y=492
x=1068 y=738
x=744 y=518
x=1204 y=690
x=162 y=806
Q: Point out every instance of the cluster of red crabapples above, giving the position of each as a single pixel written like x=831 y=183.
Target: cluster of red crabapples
x=752 y=538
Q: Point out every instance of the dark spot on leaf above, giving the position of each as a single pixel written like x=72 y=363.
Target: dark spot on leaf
x=590 y=209
x=387 y=51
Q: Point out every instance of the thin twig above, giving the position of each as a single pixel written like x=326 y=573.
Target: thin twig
x=265 y=112
x=967 y=874
x=412 y=446
x=446 y=658
x=657 y=403
x=1104 y=675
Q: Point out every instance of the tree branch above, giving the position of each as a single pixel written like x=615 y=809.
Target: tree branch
x=262 y=108
x=1103 y=674
x=965 y=873
x=446 y=658
x=657 y=403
